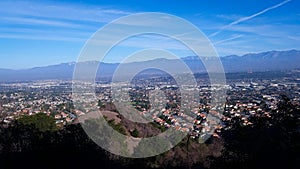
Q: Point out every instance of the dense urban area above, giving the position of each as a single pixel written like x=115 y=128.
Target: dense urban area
x=249 y=97
x=245 y=98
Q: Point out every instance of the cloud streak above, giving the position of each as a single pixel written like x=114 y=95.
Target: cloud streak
x=249 y=17
x=53 y=21
x=71 y=12
x=227 y=40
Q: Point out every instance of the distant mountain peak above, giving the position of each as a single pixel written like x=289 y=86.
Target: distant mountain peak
x=264 y=61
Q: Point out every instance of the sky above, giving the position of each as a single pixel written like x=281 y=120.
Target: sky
x=46 y=32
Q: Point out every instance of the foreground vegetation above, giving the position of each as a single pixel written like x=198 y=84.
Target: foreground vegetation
x=34 y=142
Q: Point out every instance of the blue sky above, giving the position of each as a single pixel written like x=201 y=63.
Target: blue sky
x=39 y=33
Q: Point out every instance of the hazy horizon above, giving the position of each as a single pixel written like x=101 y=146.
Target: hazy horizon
x=150 y=59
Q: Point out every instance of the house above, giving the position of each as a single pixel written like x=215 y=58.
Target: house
x=57 y=116
x=64 y=115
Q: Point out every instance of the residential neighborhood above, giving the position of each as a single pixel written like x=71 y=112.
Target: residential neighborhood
x=158 y=99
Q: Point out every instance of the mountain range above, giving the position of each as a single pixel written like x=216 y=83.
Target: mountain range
x=252 y=62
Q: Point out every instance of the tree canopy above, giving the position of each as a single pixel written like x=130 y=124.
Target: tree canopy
x=40 y=121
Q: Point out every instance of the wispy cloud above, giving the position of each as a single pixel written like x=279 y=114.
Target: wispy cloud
x=46 y=38
x=229 y=17
x=57 y=18
x=59 y=11
x=249 y=17
x=263 y=31
x=36 y=21
x=234 y=37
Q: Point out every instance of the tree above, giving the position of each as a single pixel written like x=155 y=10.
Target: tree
x=40 y=121
x=269 y=143
x=135 y=133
